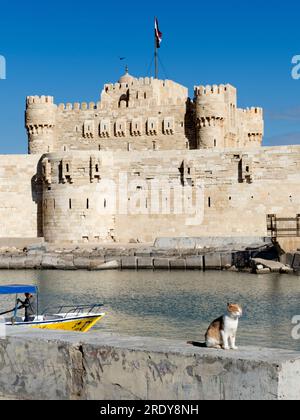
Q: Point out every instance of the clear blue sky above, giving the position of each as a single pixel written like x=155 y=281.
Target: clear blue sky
x=69 y=49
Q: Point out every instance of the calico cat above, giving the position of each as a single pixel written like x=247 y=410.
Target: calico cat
x=222 y=332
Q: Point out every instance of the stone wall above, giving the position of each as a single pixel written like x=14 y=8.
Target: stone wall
x=69 y=196
x=20 y=197
x=36 y=364
x=163 y=193
x=144 y=114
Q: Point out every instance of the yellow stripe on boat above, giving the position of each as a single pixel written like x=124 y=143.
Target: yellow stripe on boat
x=81 y=325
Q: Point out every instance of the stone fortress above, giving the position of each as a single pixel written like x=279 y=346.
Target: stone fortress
x=144 y=114
x=150 y=132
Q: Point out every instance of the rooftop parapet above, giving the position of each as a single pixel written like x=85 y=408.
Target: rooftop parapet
x=216 y=93
x=253 y=111
x=39 y=100
x=213 y=89
x=143 y=82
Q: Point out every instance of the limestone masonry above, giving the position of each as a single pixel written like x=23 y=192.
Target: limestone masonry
x=144 y=114
x=146 y=161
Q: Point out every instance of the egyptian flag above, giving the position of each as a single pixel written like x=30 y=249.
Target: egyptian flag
x=158 y=34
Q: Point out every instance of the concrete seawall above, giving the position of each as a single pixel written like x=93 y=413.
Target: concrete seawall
x=53 y=365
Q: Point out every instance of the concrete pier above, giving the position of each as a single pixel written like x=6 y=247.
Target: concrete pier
x=39 y=364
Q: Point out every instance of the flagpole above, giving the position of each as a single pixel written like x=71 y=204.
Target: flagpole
x=155 y=56
x=156 y=63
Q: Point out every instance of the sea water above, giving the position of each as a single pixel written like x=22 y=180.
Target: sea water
x=173 y=304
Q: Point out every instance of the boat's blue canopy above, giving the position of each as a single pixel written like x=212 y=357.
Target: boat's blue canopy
x=13 y=289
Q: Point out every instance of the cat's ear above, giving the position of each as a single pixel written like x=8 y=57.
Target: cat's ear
x=228 y=304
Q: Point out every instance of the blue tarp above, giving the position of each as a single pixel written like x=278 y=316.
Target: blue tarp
x=10 y=289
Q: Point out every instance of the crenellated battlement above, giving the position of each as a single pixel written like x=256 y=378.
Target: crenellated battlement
x=144 y=114
x=142 y=82
x=209 y=90
x=134 y=82
x=77 y=106
x=253 y=111
x=39 y=100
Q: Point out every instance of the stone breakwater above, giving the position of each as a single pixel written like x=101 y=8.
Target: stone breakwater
x=164 y=254
x=39 y=364
x=129 y=258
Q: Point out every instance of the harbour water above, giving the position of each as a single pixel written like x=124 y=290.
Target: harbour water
x=177 y=305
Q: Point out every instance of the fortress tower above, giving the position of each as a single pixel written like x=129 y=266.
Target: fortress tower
x=210 y=116
x=136 y=114
x=220 y=124
x=40 y=123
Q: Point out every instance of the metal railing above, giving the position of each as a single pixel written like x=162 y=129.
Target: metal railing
x=72 y=309
x=283 y=227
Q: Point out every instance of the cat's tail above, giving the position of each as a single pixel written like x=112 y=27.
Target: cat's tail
x=196 y=344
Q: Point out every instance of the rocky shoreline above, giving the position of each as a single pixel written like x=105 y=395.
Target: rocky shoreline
x=259 y=260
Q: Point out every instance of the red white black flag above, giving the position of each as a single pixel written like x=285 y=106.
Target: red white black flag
x=158 y=34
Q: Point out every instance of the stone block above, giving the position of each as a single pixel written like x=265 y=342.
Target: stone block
x=161 y=263
x=49 y=261
x=33 y=261
x=226 y=260
x=274 y=266
x=65 y=262
x=109 y=265
x=144 y=262
x=97 y=262
x=17 y=261
x=4 y=261
x=220 y=242
x=194 y=263
x=178 y=264
x=81 y=262
x=129 y=263
x=212 y=261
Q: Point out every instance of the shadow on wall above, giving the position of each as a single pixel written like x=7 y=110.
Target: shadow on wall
x=189 y=125
x=37 y=196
